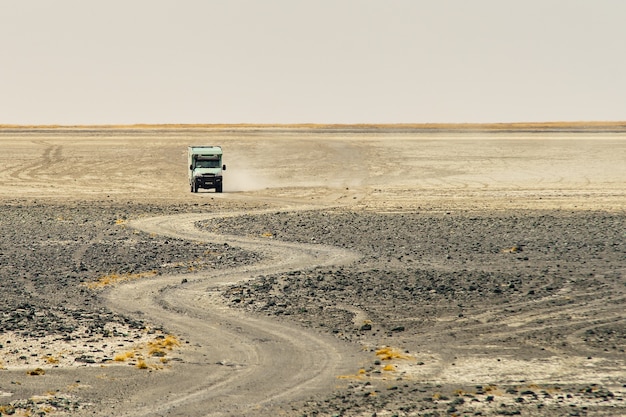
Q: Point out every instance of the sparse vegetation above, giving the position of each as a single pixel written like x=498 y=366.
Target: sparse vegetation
x=36 y=372
x=112 y=279
x=389 y=368
x=51 y=359
x=156 y=348
x=121 y=357
x=387 y=354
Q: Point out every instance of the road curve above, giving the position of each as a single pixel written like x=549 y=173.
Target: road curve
x=233 y=364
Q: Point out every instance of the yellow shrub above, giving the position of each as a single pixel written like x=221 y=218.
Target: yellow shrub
x=51 y=359
x=387 y=354
x=114 y=278
x=36 y=371
x=121 y=357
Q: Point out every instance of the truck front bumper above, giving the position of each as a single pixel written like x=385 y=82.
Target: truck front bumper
x=207 y=181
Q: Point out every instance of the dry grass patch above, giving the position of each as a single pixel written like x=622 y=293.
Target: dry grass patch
x=36 y=372
x=162 y=343
x=152 y=354
x=122 y=357
x=7 y=409
x=115 y=278
x=513 y=249
x=52 y=360
x=388 y=353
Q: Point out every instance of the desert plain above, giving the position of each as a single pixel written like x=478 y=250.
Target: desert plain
x=344 y=271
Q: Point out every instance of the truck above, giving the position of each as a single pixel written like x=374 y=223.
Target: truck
x=205 y=168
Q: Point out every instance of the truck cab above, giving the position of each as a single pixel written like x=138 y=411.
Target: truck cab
x=205 y=168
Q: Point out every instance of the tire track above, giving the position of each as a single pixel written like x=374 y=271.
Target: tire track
x=50 y=155
x=237 y=364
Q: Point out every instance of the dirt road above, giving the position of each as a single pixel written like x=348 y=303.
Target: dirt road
x=265 y=360
x=346 y=223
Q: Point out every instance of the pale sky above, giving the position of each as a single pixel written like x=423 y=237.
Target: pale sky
x=311 y=61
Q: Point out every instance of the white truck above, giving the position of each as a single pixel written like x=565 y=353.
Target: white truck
x=205 y=168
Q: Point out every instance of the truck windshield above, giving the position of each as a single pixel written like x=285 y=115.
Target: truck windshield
x=211 y=163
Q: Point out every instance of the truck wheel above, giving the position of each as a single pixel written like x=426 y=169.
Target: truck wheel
x=194 y=187
x=218 y=188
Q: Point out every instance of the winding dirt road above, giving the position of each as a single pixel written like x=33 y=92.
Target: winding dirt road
x=239 y=363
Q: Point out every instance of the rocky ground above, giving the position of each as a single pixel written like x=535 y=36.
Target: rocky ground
x=55 y=257
x=455 y=279
x=550 y=282
x=420 y=265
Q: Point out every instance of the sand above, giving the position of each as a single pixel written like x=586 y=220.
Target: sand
x=344 y=271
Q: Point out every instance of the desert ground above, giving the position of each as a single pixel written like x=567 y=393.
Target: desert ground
x=344 y=271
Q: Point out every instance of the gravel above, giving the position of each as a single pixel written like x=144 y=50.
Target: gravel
x=453 y=279
x=417 y=269
x=425 y=265
x=49 y=254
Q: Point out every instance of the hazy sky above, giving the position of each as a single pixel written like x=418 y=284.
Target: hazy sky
x=317 y=61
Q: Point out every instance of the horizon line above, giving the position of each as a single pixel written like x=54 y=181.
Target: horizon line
x=496 y=125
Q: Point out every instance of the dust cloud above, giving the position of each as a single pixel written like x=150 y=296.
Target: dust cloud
x=237 y=180
x=241 y=175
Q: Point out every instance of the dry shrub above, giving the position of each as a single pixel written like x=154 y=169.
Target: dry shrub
x=7 y=409
x=155 y=348
x=389 y=368
x=163 y=342
x=51 y=359
x=513 y=249
x=387 y=354
x=147 y=353
x=114 y=278
x=156 y=351
x=121 y=357
x=36 y=372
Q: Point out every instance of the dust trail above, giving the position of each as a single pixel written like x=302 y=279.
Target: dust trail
x=242 y=174
x=244 y=179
